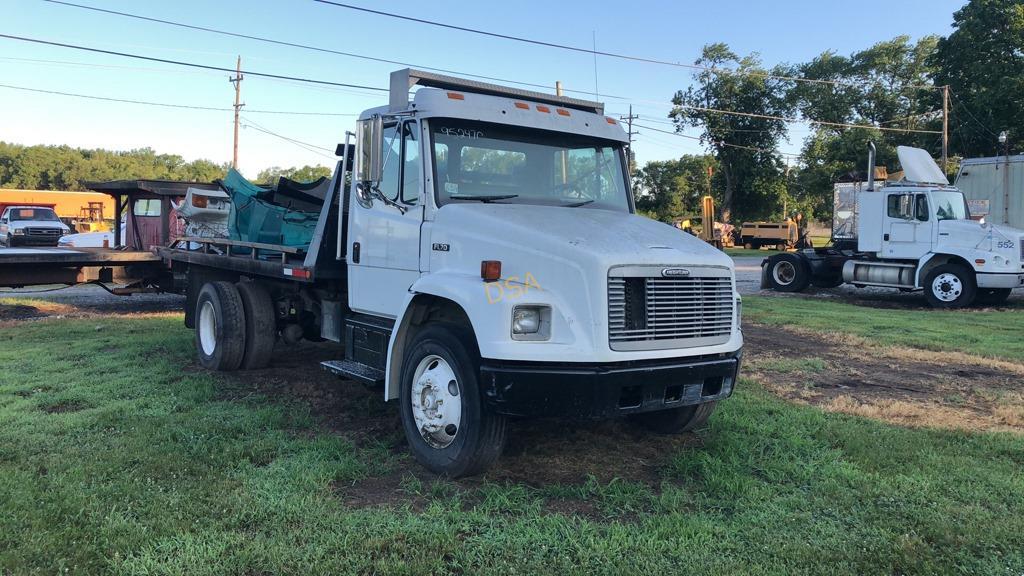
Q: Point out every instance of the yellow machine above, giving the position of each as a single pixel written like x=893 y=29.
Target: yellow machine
x=83 y=211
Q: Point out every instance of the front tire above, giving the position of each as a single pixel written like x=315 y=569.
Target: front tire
x=950 y=286
x=449 y=430
x=220 y=327
x=676 y=420
x=787 y=273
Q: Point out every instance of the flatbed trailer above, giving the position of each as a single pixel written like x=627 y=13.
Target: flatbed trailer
x=20 y=267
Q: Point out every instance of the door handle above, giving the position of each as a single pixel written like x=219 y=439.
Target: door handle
x=355 y=252
x=886 y=237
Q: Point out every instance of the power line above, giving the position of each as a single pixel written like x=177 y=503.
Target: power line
x=755 y=149
x=448 y=71
x=189 y=64
x=295 y=44
x=819 y=122
x=595 y=52
x=305 y=145
x=166 y=104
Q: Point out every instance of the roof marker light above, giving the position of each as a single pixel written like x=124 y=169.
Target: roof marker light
x=543 y=109
x=610 y=121
x=456 y=96
x=562 y=111
x=522 y=105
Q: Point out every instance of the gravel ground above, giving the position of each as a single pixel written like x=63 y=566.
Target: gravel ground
x=89 y=298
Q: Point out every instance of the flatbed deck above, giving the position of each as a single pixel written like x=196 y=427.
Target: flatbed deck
x=35 y=266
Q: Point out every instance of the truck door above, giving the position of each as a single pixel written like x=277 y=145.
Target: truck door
x=907 y=232
x=384 y=238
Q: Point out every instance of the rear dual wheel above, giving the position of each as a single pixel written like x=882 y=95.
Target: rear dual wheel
x=235 y=326
x=787 y=273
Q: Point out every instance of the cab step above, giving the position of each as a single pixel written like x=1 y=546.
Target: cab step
x=354 y=370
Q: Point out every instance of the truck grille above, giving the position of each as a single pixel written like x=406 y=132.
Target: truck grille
x=43 y=232
x=649 y=312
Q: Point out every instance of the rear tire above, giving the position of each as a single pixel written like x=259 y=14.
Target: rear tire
x=260 y=325
x=950 y=286
x=449 y=430
x=787 y=273
x=993 y=296
x=220 y=327
x=676 y=420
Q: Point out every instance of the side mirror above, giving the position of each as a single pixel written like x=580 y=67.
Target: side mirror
x=371 y=147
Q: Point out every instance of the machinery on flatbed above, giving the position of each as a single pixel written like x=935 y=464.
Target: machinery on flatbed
x=482 y=261
x=912 y=235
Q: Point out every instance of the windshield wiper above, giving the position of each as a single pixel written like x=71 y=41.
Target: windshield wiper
x=484 y=199
x=577 y=204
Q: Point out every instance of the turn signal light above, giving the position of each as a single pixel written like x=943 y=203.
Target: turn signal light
x=980 y=261
x=490 y=270
x=200 y=201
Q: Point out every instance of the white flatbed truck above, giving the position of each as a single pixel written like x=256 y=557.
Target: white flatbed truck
x=484 y=263
x=916 y=234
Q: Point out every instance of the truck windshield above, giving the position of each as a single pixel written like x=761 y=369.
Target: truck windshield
x=36 y=214
x=949 y=205
x=484 y=162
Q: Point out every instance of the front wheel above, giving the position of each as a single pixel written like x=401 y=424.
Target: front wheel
x=949 y=286
x=449 y=430
x=676 y=420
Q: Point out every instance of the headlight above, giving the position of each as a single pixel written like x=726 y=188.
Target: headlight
x=18 y=231
x=531 y=323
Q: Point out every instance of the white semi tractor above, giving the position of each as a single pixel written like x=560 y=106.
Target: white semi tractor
x=484 y=263
x=915 y=234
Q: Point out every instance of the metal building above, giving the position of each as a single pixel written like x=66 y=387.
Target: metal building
x=994 y=188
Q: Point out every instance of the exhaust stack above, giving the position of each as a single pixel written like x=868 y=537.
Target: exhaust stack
x=871 y=167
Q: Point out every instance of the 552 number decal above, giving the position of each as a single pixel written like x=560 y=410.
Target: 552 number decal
x=1005 y=245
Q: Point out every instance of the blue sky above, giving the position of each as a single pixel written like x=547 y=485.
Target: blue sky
x=793 y=31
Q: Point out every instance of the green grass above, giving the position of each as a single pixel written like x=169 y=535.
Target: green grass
x=988 y=333
x=143 y=466
x=786 y=365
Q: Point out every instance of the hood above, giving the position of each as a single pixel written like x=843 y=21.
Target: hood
x=607 y=237
x=997 y=238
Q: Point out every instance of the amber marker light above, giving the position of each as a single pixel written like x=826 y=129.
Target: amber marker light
x=490 y=270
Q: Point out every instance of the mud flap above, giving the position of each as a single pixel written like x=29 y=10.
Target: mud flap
x=764 y=274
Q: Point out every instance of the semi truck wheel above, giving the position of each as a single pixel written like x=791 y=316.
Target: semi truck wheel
x=787 y=273
x=220 y=326
x=448 y=429
x=260 y=325
x=949 y=286
x=993 y=296
x=676 y=420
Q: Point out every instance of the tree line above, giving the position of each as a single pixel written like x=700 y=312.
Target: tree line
x=67 y=168
x=893 y=84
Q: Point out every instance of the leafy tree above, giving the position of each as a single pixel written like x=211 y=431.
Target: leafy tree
x=982 y=61
x=749 y=168
x=304 y=174
x=66 y=168
x=671 y=189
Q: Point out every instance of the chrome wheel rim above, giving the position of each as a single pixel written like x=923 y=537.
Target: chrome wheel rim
x=784 y=273
x=436 y=401
x=947 y=287
x=208 y=328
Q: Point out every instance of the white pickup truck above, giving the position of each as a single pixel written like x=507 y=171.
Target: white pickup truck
x=30 y=226
x=485 y=263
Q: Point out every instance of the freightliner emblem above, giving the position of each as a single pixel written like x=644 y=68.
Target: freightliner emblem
x=673 y=272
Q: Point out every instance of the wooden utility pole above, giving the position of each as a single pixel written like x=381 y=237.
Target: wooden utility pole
x=237 y=81
x=564 y=154
x=629 y=123
x=945 y=129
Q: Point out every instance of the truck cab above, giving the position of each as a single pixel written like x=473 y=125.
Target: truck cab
x=918 y=234
x=491 y=266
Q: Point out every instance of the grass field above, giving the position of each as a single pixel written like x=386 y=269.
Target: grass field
x=117 y=456
x=981 y=332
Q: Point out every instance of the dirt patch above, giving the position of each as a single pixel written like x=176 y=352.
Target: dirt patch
x=10 y=312
x=538 y=453
x=900 y=385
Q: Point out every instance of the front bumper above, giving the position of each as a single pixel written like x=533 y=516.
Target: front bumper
x=606 y=390
x=1000 y=280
